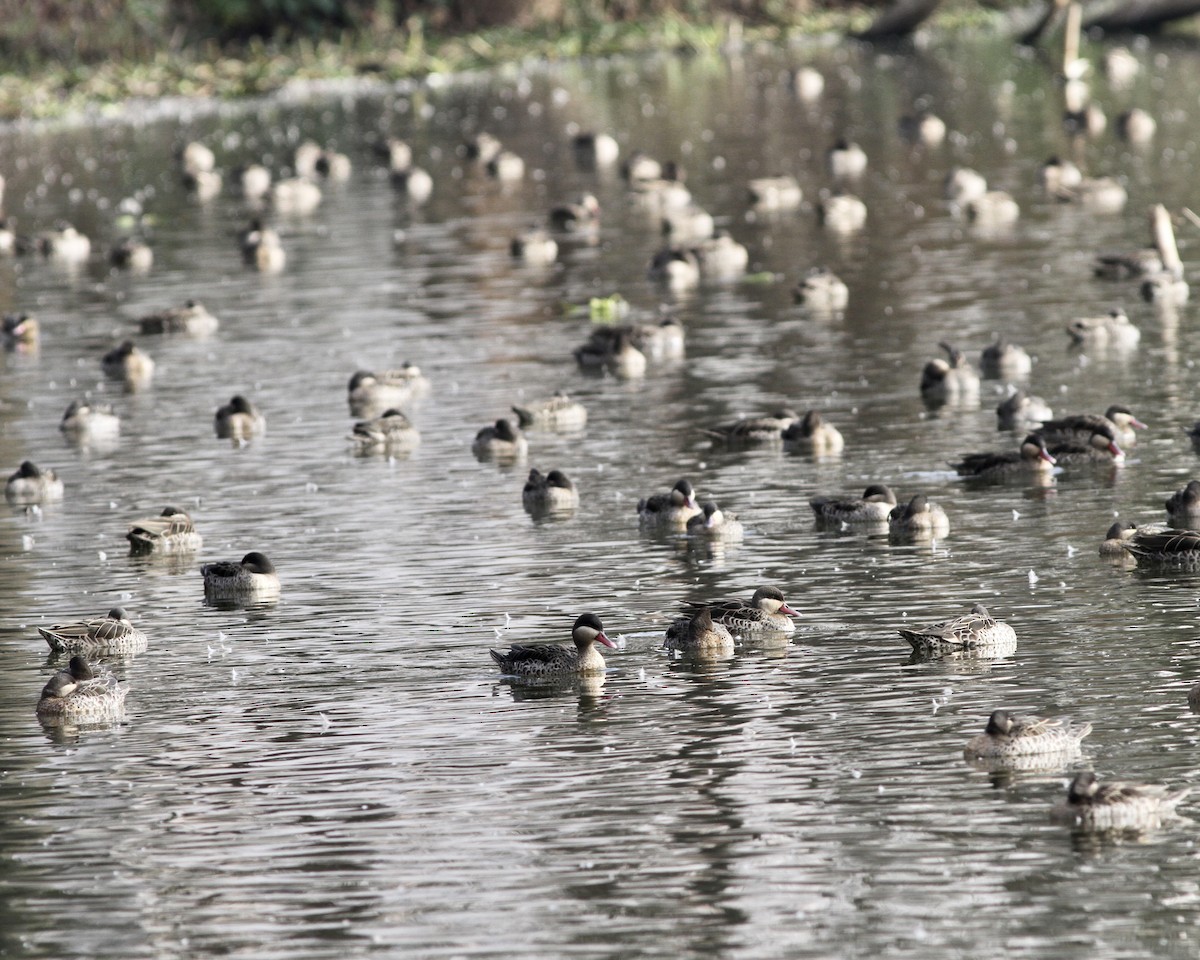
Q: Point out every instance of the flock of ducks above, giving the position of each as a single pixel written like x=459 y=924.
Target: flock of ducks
x=84 y=693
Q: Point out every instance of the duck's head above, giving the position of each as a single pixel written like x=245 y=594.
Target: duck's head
x=771 y=600
x=999 y=723
x=683 y=495
x=588 y=630
x=1033 y=447
x=1083 y=787
x=256 y=562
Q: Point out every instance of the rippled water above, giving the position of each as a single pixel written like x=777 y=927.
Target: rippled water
x=344 y=773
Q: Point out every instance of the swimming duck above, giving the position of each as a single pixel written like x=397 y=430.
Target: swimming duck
x=765 y=428
x=483 y=147
x=722 y=256
x=392 y=432
x=239 y=419
x=846 y=160
x=595 y=149
x=255 y=181
x=92 y=421
x=262 y=249
x=553 y=491
x=558 y=412
x=126 y=362
x=192 y=318
x=64 y=243
x=1091 y=805
x=1123 y=266
x=1120 y=66
x=112 y=633
x=677 y=267
x=811 y=433
x=671 y=510
x=1021 y=411
x=975 y=632
x=1031 y=459
x=327 y=163
x=535 y=246
x=822 y=290
x=689 y=223
x=295 y=196
x=204 y=184
x=765 y=612
x=713 y=523
x=501 y=441
x=874 y=506
x=613 y=349
x=842 y=213
x=1004 y=360
x=195 y=157
x=1079 y=428
x=1097 y=194
x=951 y=380
x=775 y=193
x=993 y=209
x=962 y=185
x=82 y=694
x=506 y=166
x=172 y=531
x=414 y=183
x=1009 y=736
x=20 y=331
x=806 y=83
x=253 y=576
x=641 y=167
x=1113 y=545
x=1058 y=175
x=370 y=394
x=1100 y=447
x=923 y=127
x=1169 y=548
x=659 y=197
x=132 y=254
x=1136 y=125
x=918 y=518
x=1113 y=329
x=1183 y=507
x=31 y=484
x=578 y=215
x=555 y=661
x=699 y=636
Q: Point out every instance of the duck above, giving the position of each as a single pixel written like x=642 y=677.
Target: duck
x=1114 y=329
x=975 y=632
x=595 y=149
x=255 y=181
x=712 y=523
x=295 y=196
x=132 y=254
x=773 y=194
x=558 y=412
x=253 y=576
x=82 y=694
x=506 y=167
x=239 y=420
x=33 y=484
x=962 y=185
x=1013 y=737
x=688 y=223
x=918 y=519
x=128 y=363
x=553 y=491
x=1099 y=447
x=846 y=160
x=578 y=215
x=1092 y=805
x=656 y=198
x=20 y=331
x=613 y=349
x=1022 y=411
x=392 y=432
x=172 y=531
x=1031 y=459
x=501 y=441
x=262 y=248
x=1005 y=360
x=761 y=428
x=370 y=394
x=1058 y=176
x=640 y=166
x=415 y=184
x=812 y=434
x=1118 y=418
x=93 y=421
x=806 y=83
x=822 y=290
x=1120 y=66
x=765 y=612
x=204 y=184
x=196 y=157
x=924 y=128
x=993 y=209
x=557 y=661
x=1125 y=266
x=874 y=506
x=677 y=267
x=321 y=162
x=699 y=636
x=1097 y=195
x=534 y=246
x=192 y=319
x=1168 y=548
x=671 y=510
x=1183 y=506
x=64 y=243
x=722 y=256
x=842 y=213
x=1113 y=545
x=483 y=147
x=951 y=380
x=112 y=634
x=1136 y=126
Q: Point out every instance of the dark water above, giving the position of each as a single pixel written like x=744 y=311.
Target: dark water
x=343 y=773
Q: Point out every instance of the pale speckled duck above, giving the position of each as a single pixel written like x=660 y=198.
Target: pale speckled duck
x=1022 y=411
x=874 y=506
x=1032 y=459
x=1114 y=329
x=90 y=421
x=32 y=484
x=391 y=433
x=559 y=412
x=192 y=319
x=842 y=213
x=764 y=428
x=1183 y=506
x=772 y=194
x=976 y=632
x=813 y=434
x=553 y=491
x=500 y=441
x=555 y=661
x=370 y=394
x=846 y=160
x=128 y=363
x=172 y=531
x=699 y=636
x=576 y=216
x=1170 y=548
x=1004 y=359
x=534 y=246
x=252 y=577
x=81 y=694
x=239 y=420
x=133 y=254
x=918 y=519
x=713 y=523
x=952 y=380
x=765 y=612
x=112 y=634
x=1092 y=805
x=671 y=510
x=1079 y=428
x=822 y=290
x=677 y=267
x=1010 y=737
x=262 y=248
